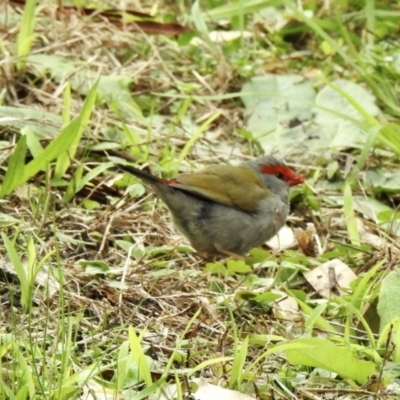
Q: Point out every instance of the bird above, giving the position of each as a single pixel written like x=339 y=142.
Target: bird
x=226 y=210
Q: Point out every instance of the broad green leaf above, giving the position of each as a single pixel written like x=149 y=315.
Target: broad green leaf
x=43 y=123
x=385 y=181
x=322 y=353
x=115 y=89
x=273 y=101
x=237 y=267
x=94 y=267
x=389 y=298
x=371 y=208
x=284 y=111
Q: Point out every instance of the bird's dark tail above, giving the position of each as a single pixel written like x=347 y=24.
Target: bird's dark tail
x=146 y=176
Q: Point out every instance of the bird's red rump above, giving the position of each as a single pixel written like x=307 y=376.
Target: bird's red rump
x=283 y=172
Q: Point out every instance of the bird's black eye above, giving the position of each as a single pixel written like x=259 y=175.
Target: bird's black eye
x=279 y=175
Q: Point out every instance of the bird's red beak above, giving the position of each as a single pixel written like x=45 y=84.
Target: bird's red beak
x=295 y=179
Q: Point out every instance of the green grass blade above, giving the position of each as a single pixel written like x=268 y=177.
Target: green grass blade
x=73 y=136
x=237 y=9
x=25 y=36
x=238 y=365
x=19 y=269
x=139 y=357
x=319 y=31
x=16 y=168
x=67 y=140
x=190 y=143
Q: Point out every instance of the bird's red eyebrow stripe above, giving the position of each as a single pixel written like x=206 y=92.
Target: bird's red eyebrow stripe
x=291 y=177
x=275 y=169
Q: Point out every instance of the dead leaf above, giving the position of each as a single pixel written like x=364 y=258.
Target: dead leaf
x=328 y=278
x=283 y=240
x=222 y=36
x=373 y=239
x=206 y=391
x=95 y=391
x=305 y=239
x=286 y=307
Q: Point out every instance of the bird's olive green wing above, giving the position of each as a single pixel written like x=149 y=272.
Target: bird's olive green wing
x=237 y=187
